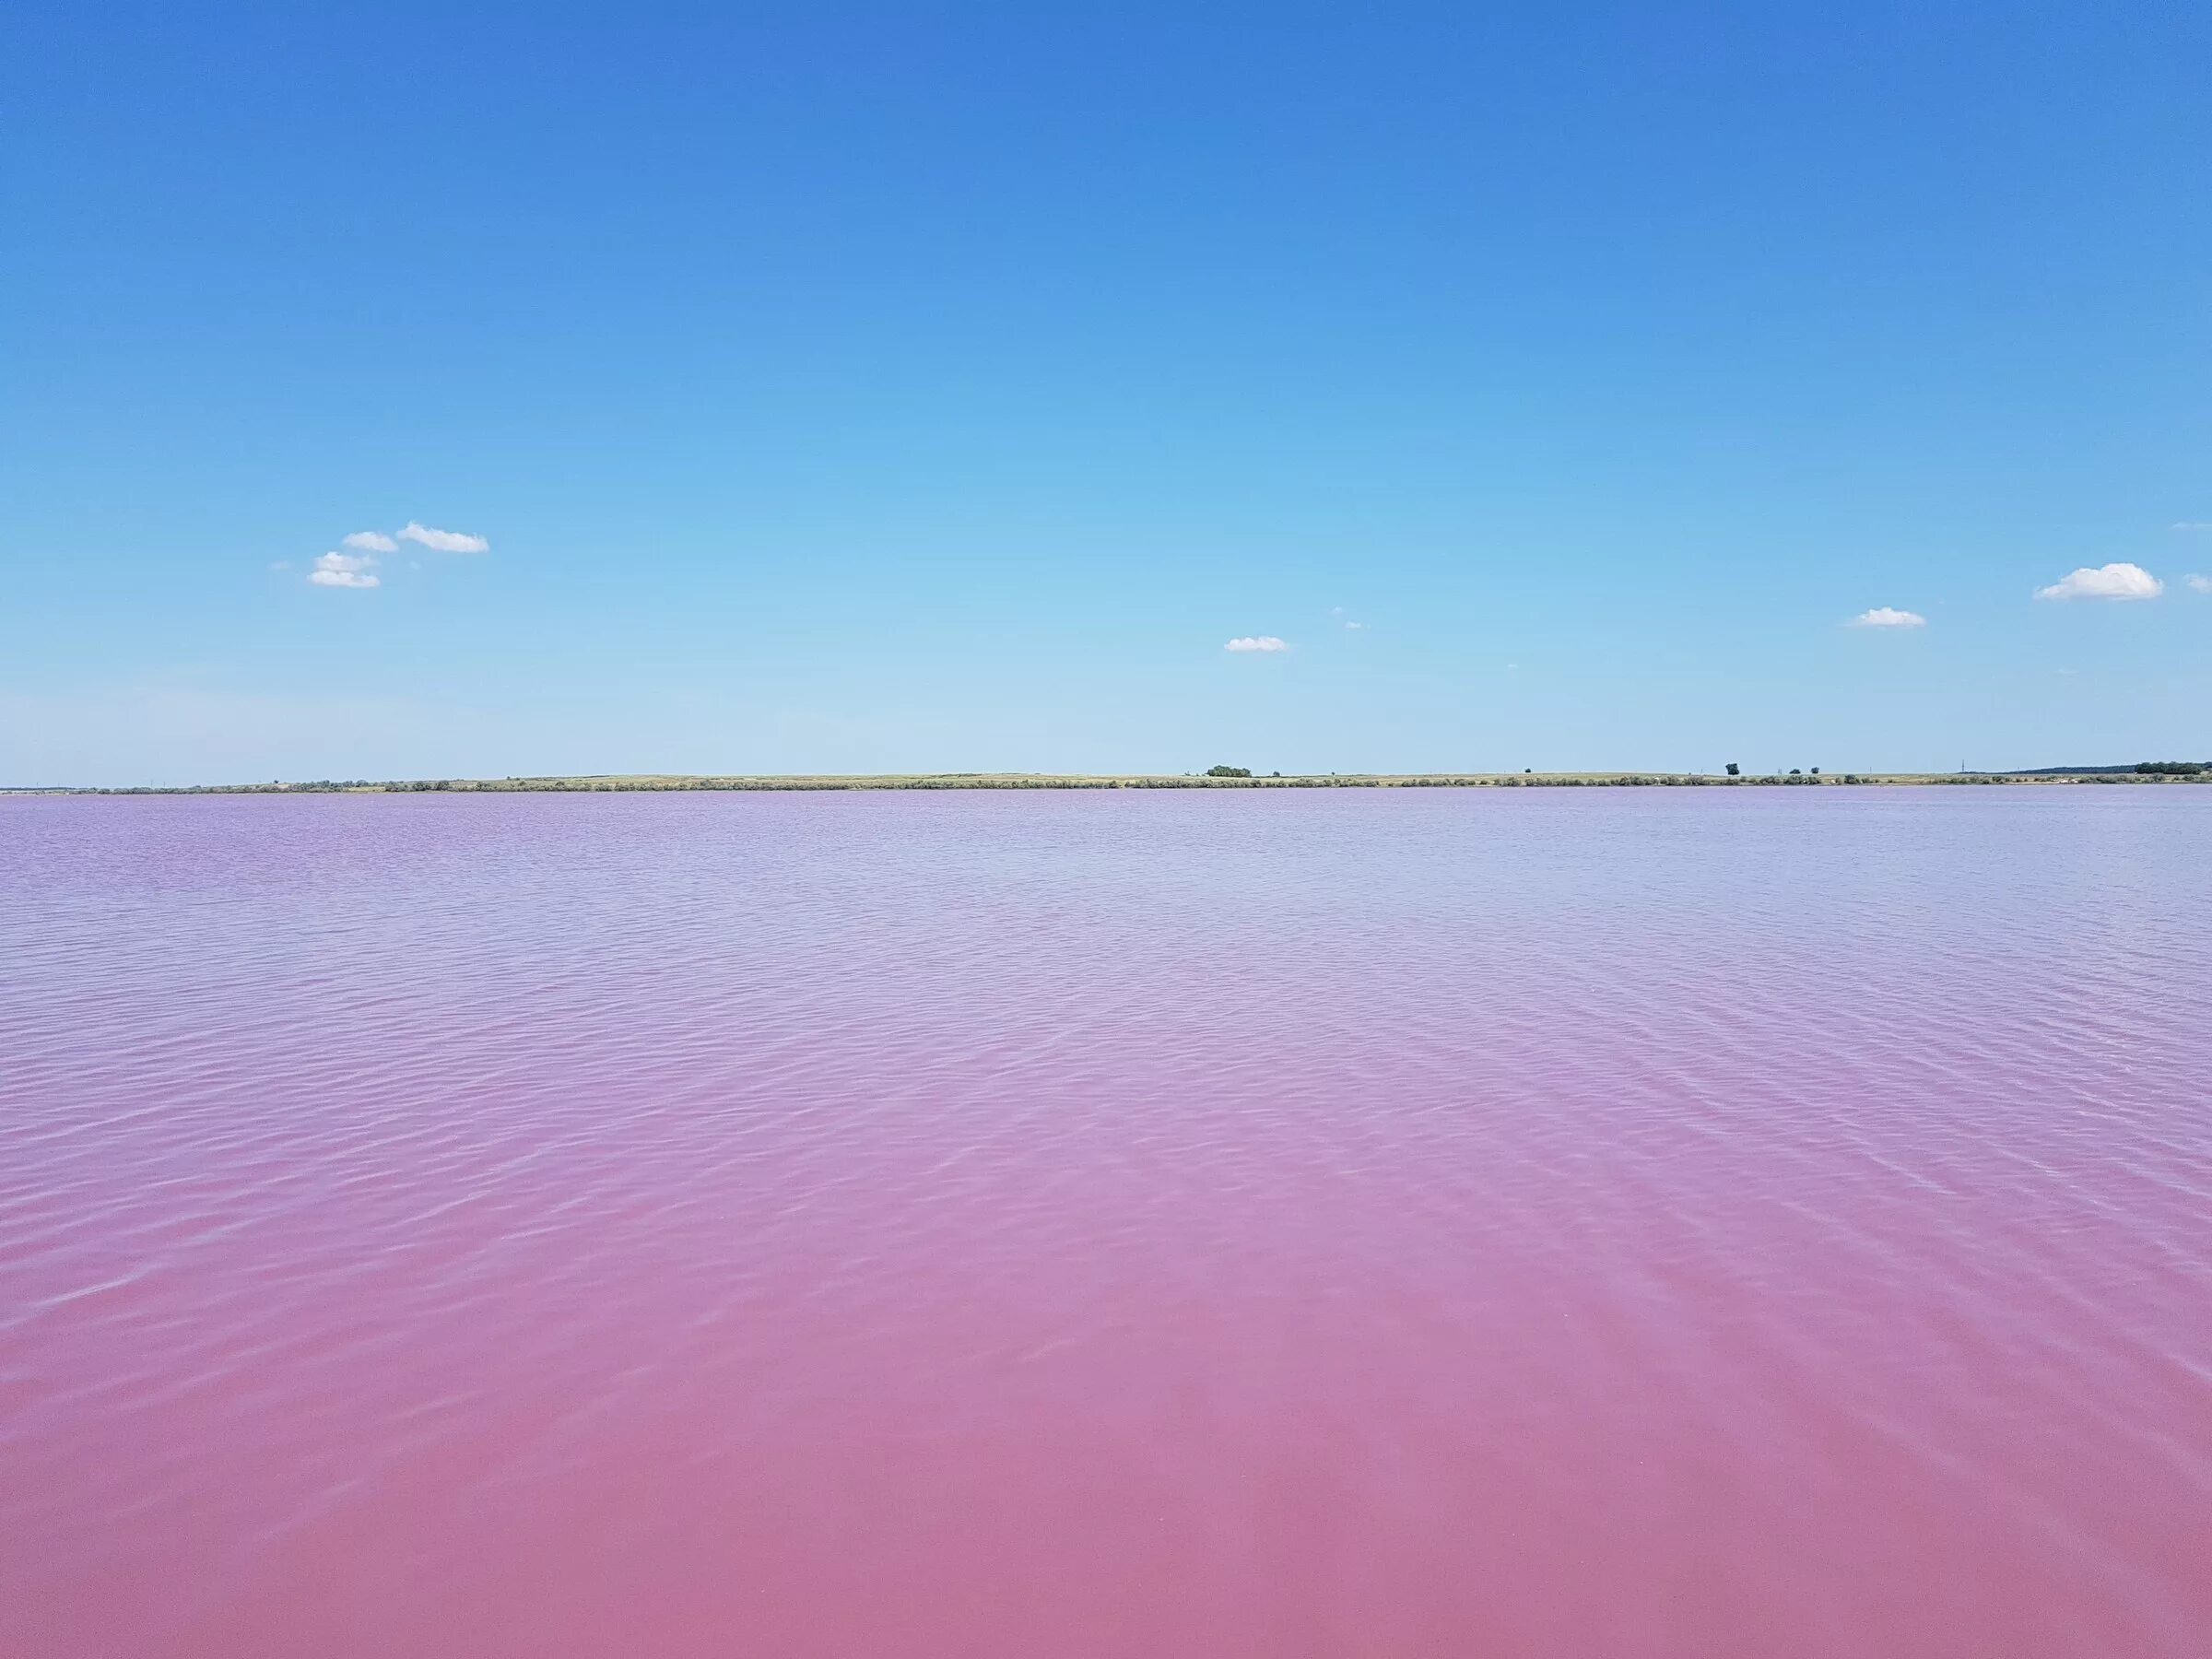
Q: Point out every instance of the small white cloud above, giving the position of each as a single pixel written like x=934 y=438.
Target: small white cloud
x=2195 y=525
x=445 y=541
x=1355 y=626
x=2105 y=582
x=1883 y=616
x=1258 y=642
x=345 y=571
x=371 y=541
x=282 y=564
x=2200 y=585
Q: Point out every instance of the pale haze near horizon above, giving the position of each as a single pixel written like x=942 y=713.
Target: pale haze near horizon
x=424 y=393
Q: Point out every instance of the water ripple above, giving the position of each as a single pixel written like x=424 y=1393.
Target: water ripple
x=1636 y=1224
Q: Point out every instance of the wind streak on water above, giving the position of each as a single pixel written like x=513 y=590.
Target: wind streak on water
x=1647 y=1225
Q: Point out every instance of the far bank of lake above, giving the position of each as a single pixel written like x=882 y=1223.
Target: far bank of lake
x=2174 y=773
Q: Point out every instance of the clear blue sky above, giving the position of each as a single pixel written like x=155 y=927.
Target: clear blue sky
x=944 y=386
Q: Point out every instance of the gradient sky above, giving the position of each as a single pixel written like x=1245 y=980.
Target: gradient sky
x=944 y=387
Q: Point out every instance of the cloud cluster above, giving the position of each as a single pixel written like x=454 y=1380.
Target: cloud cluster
x=1883 y=616
x=2105 y=582
x=1257 y=643
x=2199 y=585
x=357 y=568
x=345 y=571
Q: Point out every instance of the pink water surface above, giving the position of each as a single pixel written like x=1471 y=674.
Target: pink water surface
x=1626 y=1224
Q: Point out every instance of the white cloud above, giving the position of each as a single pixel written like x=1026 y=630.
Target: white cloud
x=445 y=541
x=371 y=541
x=345 y=571
x=2195 y=525
x=2105 y=582
x=282 y=564
x=2200 y=585
x=1883 y=616
x=1258 y=642
x=1355 y=625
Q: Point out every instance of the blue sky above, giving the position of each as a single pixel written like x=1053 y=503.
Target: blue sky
x=944 y=387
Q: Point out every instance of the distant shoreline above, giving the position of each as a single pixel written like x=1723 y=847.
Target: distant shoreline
x=671 y=782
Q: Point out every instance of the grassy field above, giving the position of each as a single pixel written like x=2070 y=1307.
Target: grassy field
x=660 y=783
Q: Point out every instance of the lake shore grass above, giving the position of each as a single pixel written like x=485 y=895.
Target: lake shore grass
x=662 y=783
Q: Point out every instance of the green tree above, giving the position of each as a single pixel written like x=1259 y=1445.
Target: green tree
x=1229 y=772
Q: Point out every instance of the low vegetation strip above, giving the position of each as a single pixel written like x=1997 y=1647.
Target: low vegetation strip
x=1220 y=777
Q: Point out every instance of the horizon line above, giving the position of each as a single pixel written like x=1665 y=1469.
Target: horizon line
x=569 y=783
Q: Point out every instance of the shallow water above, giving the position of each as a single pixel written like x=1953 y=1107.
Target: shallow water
x=1639 y=1224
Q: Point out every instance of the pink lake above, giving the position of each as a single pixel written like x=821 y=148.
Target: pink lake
x=1599 y=1224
